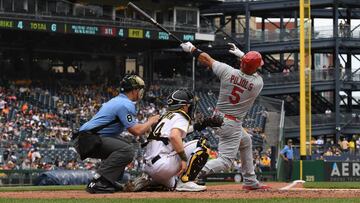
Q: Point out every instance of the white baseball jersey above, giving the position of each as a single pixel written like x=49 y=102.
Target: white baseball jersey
x=169 y=121
x=238 y=90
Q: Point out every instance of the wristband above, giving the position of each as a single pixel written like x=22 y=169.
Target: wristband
x=197 y=53
x=182 y=155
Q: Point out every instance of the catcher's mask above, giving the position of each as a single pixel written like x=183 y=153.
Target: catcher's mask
x=180 y=98
x=132 y=82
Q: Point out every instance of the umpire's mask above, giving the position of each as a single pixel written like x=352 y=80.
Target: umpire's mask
x=180 y=98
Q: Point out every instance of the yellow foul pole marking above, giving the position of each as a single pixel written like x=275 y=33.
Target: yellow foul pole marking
x=305 y=79
x=308 y=30
x=302 y=87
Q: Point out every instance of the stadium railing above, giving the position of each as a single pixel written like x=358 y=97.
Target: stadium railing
x=325 y=119
x=285 y=35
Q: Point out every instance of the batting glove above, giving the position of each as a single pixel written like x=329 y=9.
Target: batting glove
x=187 y=47
x=236 y=51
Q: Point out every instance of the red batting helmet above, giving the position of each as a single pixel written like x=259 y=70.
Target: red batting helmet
x=250 y=62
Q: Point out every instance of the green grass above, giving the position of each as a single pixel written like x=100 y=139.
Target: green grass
x=333 y=185
x=287 y=200
x=42 y=188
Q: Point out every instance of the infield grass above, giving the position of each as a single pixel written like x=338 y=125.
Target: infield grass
x=333 y=185
x=273 y=200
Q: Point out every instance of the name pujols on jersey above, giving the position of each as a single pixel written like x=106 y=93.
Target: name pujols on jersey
x=242 y=82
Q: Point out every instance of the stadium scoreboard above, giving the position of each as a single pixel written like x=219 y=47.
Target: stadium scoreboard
x=83 y=29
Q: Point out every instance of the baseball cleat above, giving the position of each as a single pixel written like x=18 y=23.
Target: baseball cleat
x=200 y=181
x=257 y=186
x=99 y=187
x=138 y=184
x=189 y=187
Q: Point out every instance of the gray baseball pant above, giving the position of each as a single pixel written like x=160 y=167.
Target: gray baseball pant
x=233 y=138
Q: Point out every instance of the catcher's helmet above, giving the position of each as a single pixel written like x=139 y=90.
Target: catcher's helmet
x=180 y=98
x=250 y=62
x=132 y=82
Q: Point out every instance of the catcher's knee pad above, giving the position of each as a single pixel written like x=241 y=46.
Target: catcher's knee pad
x=197 y=162
x=203 y=143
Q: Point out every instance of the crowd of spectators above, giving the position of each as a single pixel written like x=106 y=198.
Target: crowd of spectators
x=28 y=129
x=346 y=148
x=26 y=125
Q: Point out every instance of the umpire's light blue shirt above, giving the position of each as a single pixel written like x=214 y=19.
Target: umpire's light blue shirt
x=120 y=106
x=288 y=152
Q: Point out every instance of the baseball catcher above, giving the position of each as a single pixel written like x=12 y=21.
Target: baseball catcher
x=168 y=161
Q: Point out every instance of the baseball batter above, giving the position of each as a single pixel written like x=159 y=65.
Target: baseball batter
x=238 y=91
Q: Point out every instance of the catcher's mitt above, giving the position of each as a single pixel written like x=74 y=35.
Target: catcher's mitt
x=215 y=121
x=138 y=184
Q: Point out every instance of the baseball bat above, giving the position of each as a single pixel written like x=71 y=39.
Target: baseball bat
x=153 y=21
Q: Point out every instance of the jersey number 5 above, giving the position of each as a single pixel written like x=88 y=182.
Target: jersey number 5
x=235 y=95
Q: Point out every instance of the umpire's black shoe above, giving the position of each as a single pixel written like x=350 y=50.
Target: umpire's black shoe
x=118 y=186
x=99 y=187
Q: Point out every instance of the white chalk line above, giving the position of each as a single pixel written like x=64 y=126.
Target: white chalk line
x=288 y=187
x=291 y=185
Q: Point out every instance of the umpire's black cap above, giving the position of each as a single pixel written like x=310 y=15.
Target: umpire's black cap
x=131 y=82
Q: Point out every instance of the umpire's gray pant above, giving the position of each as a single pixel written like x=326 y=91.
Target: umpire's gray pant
x=115 y=154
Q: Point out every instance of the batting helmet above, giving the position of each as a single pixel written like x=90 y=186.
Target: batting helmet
x=132 y=82
x=250 y=62
x=180 y=98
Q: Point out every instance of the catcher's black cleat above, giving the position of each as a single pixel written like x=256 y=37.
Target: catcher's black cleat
x=100 y=186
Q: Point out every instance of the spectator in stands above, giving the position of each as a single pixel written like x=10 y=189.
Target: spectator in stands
x=265 y=162
x=286 y=71
x=72 y=165
x=35 y=154
x=358 y=145
x=6 y=154
x=347 y=30
x=10 y=166
x=2 y=104
x=325 y=72
x=337 y=151
x=26 y=164
x=344 y=145
x=237 y=166
x=328 y=152
x=287 y=154
x=320 y=140
x=257 y=167
x=352 y=147
x=342 y=29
